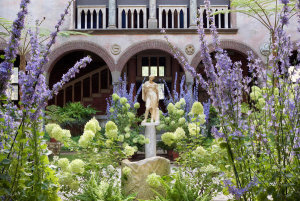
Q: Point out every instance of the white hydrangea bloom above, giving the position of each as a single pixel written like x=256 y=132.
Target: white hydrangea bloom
x=129 y=151
x=77 y=166
x=63 y=163
x=179 y=133
x=153 y=180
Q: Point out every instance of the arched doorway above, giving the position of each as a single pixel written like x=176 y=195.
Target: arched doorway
x=156 y=62
x=90 y=87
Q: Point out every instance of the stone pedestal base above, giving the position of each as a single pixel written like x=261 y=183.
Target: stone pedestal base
x=135 y=181
x=152 y=23
x=150 y=133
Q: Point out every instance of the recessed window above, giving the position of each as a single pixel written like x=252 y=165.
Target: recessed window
x=161 y=71
x=153 y=66
x=145 y=71
x=153 y=70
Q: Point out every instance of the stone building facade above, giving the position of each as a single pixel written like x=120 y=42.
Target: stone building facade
x=124 y=37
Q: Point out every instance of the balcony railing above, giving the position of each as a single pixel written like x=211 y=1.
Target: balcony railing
x=134 y=17
x=91 y=17
x=221 y=20
x=172 y=16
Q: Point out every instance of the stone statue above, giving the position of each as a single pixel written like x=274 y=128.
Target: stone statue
x=151 y=98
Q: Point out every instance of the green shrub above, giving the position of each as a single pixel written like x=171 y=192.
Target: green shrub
x=72 y=116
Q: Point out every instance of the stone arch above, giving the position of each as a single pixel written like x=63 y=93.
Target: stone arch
x=68 y=47
x=226 y=44
x=141 y=46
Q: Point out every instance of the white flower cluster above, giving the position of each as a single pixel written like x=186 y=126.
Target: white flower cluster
x=90 y=130
x=56 y=132
x=69 y=170
x=76 y=166
x=129 y=150
x=197 y=112
x=199 y=152
x=153 y=180
x=169 y=138
x=111 y=130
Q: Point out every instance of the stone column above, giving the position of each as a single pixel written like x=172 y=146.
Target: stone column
x=152 y=22
x=116 y=79
x=150 y=148
x=193 y=14
x=112 y=14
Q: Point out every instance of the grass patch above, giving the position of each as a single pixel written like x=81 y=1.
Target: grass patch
x=69 y=155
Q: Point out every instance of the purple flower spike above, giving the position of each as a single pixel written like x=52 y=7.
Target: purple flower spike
x=11 y=50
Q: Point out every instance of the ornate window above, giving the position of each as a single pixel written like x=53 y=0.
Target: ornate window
x=155 y=65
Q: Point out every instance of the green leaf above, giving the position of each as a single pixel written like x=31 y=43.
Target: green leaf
x=5 y=162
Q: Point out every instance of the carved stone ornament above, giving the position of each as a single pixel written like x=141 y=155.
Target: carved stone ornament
x=190 y=49
x=115 y=49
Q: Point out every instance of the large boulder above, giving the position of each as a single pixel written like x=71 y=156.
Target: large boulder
x=135 y=181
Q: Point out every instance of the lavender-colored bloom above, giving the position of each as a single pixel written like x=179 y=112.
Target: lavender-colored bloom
x=121 y=91
x=71 y=74
x=206 y=107
x=188 y=93
x=239 y=192
x=11 y=50
x=285 y=2
x=216 y=133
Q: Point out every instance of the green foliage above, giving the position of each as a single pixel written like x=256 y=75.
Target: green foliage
x=192 y=125
x=99 y=177
x=44 y=33
x=72 y=116
x=264 y=11
x=99 y=189
x=128 y=122
x=18 y=181
x=183 y=187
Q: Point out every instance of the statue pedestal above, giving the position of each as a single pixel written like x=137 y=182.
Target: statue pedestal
x=135 y=182
x=150 y=133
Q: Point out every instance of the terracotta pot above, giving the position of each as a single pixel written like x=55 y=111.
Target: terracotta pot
x=172 y=155
x=175 y=155
x=52 y=140
x=169 y=152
